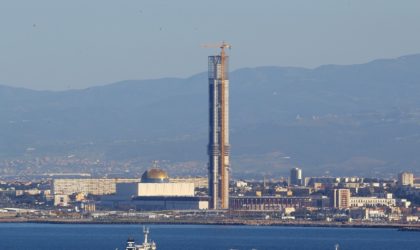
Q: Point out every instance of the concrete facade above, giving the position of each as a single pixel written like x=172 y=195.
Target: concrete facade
x=100 y=186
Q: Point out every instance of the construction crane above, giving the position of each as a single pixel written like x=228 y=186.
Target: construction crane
x=222 y=45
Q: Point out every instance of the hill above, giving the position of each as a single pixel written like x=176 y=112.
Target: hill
x=353 y=119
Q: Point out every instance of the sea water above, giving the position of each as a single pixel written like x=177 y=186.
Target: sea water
x=176 y=237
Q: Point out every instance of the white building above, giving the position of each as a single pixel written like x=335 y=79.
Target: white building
x=241 y=184
x=154 y=189
x=155 y=192
x=372 y=202
x=98 y=186
x=63 y=188
x=406 y=179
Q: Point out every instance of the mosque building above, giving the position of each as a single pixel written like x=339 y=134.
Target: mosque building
x=155 y=191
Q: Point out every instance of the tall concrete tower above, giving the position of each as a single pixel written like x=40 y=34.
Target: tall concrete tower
x=218 y=147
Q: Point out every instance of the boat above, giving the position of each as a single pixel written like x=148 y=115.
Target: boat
x=146 y=245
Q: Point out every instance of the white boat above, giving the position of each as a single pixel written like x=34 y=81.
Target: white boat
x=146 y=245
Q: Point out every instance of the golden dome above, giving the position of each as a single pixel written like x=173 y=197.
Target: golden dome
x=155 y=175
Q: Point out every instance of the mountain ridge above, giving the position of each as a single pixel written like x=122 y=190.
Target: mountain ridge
x=403 y=57
x=319 y=117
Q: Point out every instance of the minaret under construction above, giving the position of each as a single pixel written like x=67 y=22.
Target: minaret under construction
x=219 y=148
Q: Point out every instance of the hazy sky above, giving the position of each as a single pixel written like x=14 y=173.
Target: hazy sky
x=76 y=44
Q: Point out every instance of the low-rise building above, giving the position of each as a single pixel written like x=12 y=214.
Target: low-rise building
x=199 y=182
x=268 y=203
x=98 y=186
x=61 y=200
x=411 y=218
x=372 y=202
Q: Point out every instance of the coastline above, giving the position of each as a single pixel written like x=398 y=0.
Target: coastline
x=400 y=226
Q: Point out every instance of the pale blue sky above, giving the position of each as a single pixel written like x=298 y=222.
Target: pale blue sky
x=52 y=44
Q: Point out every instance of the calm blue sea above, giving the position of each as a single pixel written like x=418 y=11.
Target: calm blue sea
x=177 y=237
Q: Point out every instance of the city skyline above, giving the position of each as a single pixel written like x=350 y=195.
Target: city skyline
x=109 y=121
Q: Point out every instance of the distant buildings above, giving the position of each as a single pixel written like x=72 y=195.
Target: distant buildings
x=61 y=200
x=341 y=198
x=199 y=182
x=155 y=191
x=100 y=186
x=406 y=179
x=267 y=203
x=372 y=202
x=296 y=177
